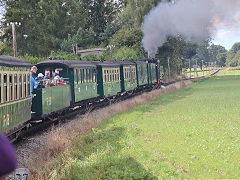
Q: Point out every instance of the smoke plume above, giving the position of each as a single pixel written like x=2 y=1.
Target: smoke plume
x=194 y=20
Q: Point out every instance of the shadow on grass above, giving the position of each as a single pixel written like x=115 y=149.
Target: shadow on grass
x=97 y=156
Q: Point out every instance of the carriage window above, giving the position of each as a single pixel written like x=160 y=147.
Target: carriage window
x=5 y=87
x=85 y=75
x=82 y=76
x=28 y=82
x=90 y=75
x=15 y=86
x=25 y=84
x=114 y=75
x=10 y=87
x=79 y=76
x=20 y=86
x=105 y=75
x=75 y=75
x=110 y=75
x=94 y=75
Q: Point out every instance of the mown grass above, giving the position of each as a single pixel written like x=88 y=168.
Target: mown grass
x=190 y=133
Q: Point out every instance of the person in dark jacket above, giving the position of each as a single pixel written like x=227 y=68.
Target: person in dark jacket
x=8 y=160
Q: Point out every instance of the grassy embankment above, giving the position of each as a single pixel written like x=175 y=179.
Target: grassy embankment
x=190 y=133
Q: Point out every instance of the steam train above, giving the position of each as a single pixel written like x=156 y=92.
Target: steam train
x=87 y=81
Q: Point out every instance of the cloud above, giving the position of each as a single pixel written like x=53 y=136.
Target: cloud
x=194 y=20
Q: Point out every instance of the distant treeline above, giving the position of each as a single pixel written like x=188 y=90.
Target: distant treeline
x=51 y=28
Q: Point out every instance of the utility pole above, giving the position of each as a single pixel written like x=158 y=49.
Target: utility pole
x=110 y=47
x=202 y=68
x=189 y=61
x=111 y=53
x=195 y=68
x=168 y=68
x=14 y=40
x=14 y=36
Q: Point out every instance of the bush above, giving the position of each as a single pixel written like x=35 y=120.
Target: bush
x=127 y=53
x=33 y=60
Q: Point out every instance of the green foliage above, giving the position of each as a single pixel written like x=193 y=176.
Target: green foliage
x=32 y=60
x=233 y=55
x=83 y=38
x=126 y=53
x=221 y=58
x=130 y=38
x=134 y=11
x=91 y=57
x=62 y=55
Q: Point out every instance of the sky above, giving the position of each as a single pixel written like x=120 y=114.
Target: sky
x=224 y=36
x=228 y=34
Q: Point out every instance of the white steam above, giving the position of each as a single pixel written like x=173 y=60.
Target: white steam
x=194 y=20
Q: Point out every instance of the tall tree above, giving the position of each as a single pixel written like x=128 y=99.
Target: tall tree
x=43 y=25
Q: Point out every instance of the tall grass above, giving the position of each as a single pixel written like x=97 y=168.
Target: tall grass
x=190 y=133
x=61 y=138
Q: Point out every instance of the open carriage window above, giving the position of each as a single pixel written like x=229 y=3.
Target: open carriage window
x=25 y=85
x=10 y=87
x=15 y=87
x=5 y=87
x=28 y=82
x=20 y=86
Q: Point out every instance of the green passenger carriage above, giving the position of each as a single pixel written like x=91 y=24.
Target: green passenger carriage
x=141 y=69
x=82 y=85
x=129 y=75
x=152 y=73
x=15 y=99
x=108 y=78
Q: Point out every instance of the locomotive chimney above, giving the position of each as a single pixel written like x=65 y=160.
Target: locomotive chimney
x=151 y=55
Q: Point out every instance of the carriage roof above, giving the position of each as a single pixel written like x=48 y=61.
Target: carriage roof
x=78 y=63
x=13 y=62
x=66 y=63
x=113 y=63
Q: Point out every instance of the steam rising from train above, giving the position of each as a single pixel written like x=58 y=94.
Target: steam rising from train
x=194 y=20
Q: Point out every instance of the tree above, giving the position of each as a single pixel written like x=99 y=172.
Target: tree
x=130 y=37
x=221 y=58
x=233 y=55
x=214 y=50
x=134 y=11
x=83 y=38
x=44 y=22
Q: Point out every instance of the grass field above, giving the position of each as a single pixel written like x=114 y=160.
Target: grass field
x=190 y=133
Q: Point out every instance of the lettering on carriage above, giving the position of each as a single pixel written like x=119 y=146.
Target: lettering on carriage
x=6 y=122
x=49 y=101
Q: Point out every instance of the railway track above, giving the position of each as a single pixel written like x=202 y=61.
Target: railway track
x=34 y=126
